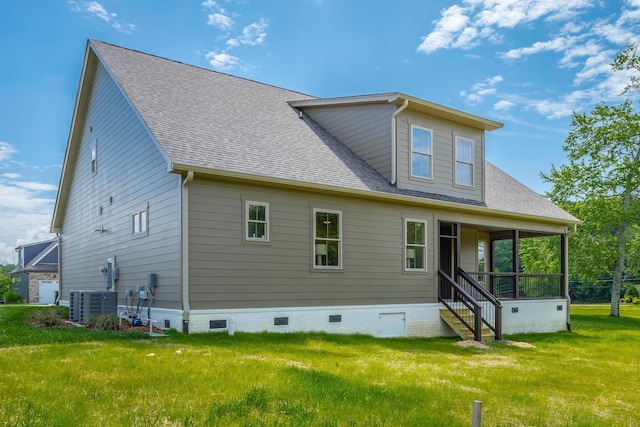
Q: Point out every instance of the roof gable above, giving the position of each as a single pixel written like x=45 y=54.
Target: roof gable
x=226 y=126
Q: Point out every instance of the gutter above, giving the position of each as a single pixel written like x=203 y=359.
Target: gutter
x=184 y=243
x=394 y=144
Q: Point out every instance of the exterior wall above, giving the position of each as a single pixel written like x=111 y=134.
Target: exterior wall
x=227 y=272
x=131 y=177
x=443 y=146
x=365 y=129
x=527 y=316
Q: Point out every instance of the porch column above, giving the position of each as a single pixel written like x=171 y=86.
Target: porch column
x=564 y=265
x=515 y=260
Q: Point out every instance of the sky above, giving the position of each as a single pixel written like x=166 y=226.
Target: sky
x=529 y=64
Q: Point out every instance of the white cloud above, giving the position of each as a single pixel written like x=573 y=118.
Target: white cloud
x=6 y=151
x=11 y=175
x=26 y=208
x=503 y=105
x=221 y=21
x=464 y=26
x=252 y=35
x=222 y=61
x=481 y=89
x=556 y=45
x=210 y=3
x=96 y=9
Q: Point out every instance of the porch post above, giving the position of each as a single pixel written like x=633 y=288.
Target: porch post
x=564 y=265
x=515 y=259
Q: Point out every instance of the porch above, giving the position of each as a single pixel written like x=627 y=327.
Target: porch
x=480 y=268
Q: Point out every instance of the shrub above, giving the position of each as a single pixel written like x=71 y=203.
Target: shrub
x=50 y=316
x=636 y=300
x=631 y=292
x=105 y=322
x=12 y=297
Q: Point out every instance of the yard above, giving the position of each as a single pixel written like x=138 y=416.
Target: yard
x=74 y=376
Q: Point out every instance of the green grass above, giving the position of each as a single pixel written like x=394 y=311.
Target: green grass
x=73 y=376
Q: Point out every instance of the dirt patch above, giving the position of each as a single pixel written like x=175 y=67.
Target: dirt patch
x=519 y=344
x=472 y=343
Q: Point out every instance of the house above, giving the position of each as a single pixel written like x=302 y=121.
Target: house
x=36 y=274
x=236 y=205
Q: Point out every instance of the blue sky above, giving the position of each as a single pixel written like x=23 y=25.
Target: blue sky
x=526 y=63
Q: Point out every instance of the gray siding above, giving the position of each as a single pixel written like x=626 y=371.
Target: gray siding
x=226 y=272
x=444 y=135
x=365 y=129
x=131 y=175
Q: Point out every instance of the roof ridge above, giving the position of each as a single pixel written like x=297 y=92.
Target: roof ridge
x=94 y=41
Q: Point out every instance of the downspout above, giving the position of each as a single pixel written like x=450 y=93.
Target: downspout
x=184 y=248
x=394 y=145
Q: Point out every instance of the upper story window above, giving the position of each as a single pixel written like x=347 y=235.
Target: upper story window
x=327 y=245
x=140 y=223
x=464 y=162
x=421 y=152
x=94 y=158
x=415 y=249
x=257 y=215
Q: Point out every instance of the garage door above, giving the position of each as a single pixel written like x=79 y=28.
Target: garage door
x=47 y=291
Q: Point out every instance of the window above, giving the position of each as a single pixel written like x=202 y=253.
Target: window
x=421 y=152
x=94 y=158
x=327 y=247
x=464 y=162
x=415 y=250
x=257 y=215
x=140 y=223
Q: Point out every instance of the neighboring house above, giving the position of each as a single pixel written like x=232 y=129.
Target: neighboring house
x=36 y=274
x=262 y=209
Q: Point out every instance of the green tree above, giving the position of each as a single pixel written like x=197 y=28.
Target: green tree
x=5 y=285
x=602 y=181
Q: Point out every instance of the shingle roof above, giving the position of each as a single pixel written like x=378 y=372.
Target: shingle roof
x=208 y=120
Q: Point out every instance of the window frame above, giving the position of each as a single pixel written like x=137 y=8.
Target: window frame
x=248 y=220
x=413 y=152
x=94 y=158
x=464 y=162
x=406 y=245
x=141 y=219
x=314 y=244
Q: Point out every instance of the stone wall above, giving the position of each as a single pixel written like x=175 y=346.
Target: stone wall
x=34 y=285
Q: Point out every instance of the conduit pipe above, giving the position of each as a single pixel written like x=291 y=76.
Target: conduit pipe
x=184 y=243
x=394 y=145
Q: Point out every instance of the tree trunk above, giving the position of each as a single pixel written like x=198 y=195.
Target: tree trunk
x=617 y=274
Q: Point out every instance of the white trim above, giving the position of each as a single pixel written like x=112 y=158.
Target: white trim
x=314 y=238
x=421 y=153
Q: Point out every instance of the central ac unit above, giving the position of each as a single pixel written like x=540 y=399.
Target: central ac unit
x=84 y=304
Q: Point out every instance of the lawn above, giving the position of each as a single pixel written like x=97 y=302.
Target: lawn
x=74 y=376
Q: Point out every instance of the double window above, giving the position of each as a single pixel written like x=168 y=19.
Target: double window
x=464 y=162
x=327 y=244
x=415 y=249
x=257 y=215
x=421 y=152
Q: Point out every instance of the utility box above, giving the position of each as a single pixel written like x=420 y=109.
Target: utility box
x=84 y=304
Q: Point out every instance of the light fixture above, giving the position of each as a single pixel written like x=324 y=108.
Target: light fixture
x=321 y=249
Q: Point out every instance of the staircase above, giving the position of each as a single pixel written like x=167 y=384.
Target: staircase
x=459 y=327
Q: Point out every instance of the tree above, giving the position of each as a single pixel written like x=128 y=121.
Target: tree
x=602 y=178
x=629 y=60
x=5 y=285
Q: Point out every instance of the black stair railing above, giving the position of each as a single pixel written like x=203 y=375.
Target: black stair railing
x=467 y=294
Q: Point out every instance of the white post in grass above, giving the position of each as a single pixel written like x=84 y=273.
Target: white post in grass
x=477 y=414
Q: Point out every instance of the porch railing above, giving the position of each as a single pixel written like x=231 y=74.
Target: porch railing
x=521 y=285
x=466 y=293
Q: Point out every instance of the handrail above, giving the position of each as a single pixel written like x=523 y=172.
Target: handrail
x=473 y=304
x=477 y=287
x=469 y=302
